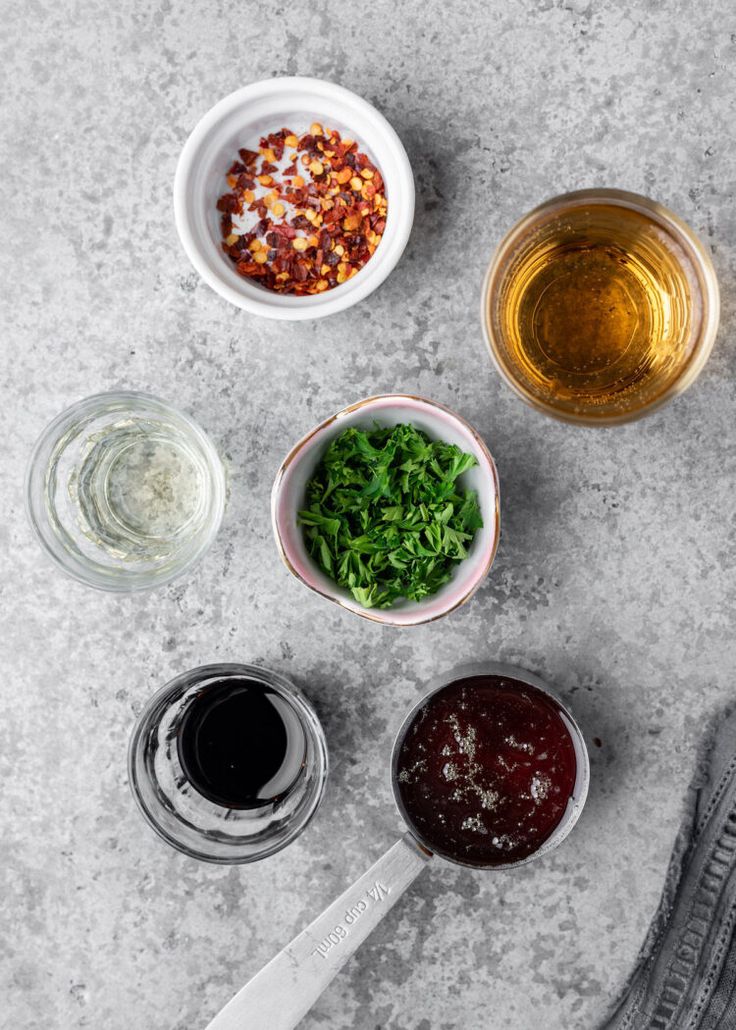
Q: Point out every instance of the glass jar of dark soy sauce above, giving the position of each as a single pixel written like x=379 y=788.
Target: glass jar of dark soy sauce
x=228 y=762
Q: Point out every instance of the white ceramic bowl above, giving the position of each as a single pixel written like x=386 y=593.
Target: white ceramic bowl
x=289 y=490
x=238 y=121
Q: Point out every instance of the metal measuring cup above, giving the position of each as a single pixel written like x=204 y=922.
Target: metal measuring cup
x=281 y=994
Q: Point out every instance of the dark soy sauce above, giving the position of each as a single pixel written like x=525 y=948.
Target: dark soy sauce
x=486 y=770
x=241 y=745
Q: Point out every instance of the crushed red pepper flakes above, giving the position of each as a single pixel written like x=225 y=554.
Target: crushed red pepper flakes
x=315 y=224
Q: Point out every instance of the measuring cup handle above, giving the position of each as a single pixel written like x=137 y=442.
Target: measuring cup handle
x=282 y=993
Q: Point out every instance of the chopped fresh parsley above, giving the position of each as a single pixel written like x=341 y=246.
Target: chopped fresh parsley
x=385 y=516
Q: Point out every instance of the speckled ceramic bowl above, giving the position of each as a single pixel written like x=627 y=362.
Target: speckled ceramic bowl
x=439 y=423
x=238 y=121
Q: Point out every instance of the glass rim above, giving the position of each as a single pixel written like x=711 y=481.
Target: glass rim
x=285 y=688
x=684 y=235
x=77 y=566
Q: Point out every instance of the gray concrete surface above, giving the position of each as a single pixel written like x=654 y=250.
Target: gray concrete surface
x=615 y=576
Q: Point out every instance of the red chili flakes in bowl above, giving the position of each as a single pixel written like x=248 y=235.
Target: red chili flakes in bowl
x=304 y=213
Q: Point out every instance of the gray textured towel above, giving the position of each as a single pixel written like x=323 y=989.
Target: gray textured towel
x=686 y=976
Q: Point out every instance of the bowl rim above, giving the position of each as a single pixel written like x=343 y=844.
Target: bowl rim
x=384 y=616
x=398 y=226
x=685 y=236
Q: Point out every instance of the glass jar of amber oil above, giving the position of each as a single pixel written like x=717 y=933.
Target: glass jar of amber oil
x=599 y=306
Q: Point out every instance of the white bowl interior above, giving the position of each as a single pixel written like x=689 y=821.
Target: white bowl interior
x=239 y=121
x=438 y=424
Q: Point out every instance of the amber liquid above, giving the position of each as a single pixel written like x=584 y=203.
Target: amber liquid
x=595 y=311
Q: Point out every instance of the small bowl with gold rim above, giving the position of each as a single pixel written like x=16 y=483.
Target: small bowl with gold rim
x=437 y=423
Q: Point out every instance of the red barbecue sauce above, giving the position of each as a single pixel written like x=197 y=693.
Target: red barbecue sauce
x=485 y=770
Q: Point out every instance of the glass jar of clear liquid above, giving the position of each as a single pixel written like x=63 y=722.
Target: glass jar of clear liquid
x=124 y=491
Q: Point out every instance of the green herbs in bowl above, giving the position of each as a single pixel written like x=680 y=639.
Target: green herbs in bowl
x=386 y=517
